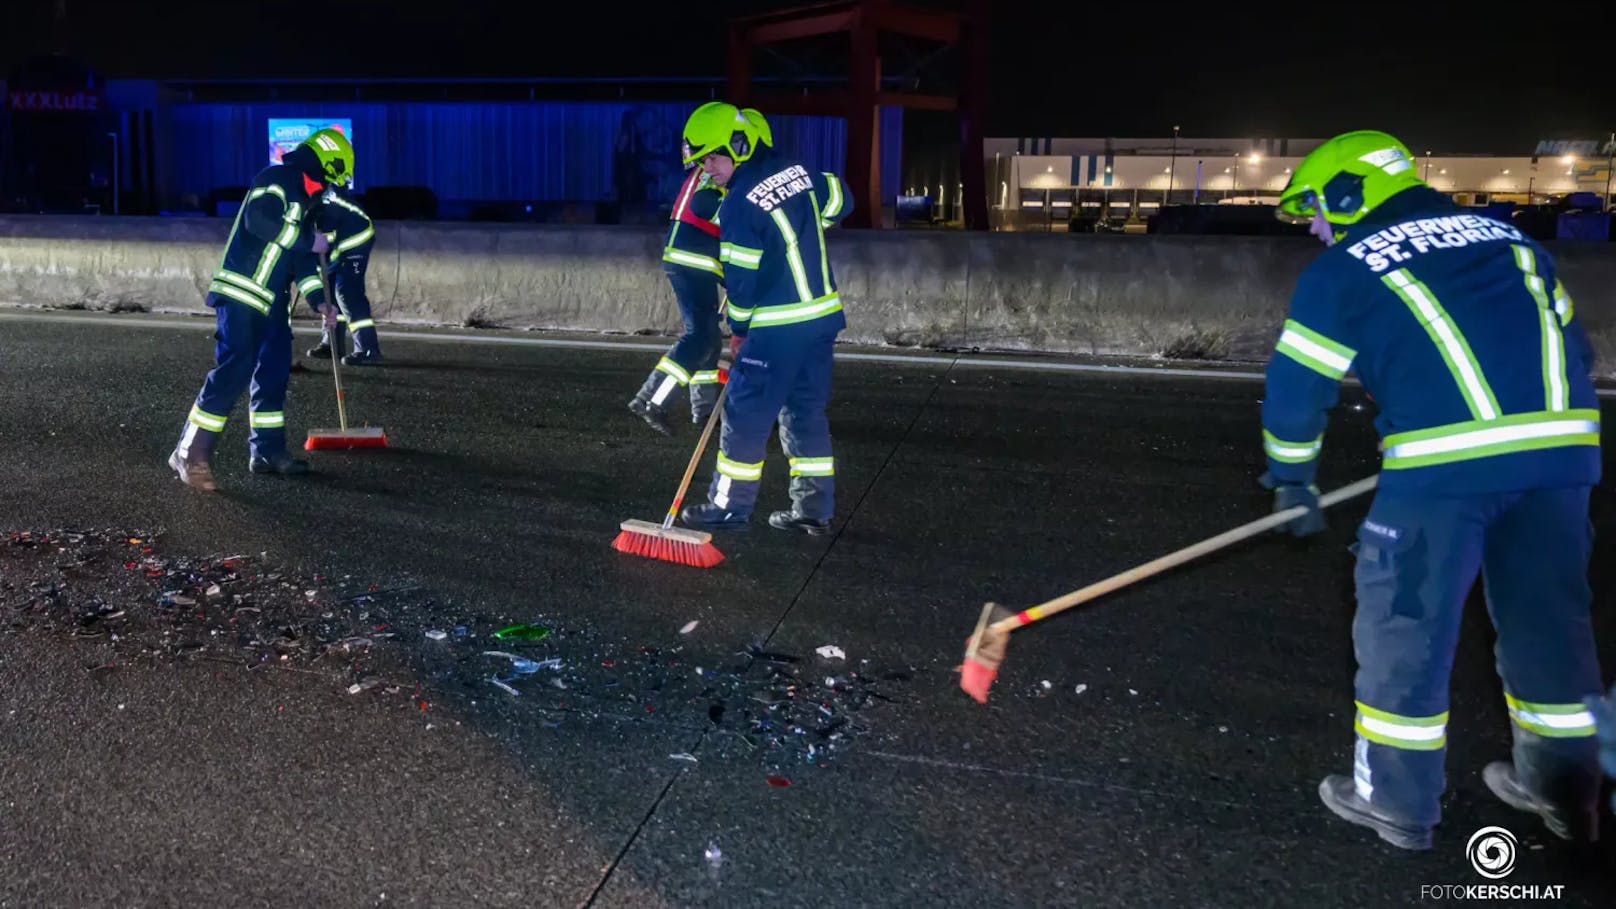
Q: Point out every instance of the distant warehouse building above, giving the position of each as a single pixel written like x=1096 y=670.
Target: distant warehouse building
x=1036 y=181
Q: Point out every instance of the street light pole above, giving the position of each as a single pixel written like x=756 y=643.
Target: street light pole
x=116 y=195
x=1172 y=164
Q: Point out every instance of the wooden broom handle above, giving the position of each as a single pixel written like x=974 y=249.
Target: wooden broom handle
x=1173 y=560
x=336 y=351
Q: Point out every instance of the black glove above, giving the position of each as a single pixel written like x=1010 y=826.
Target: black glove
x=1290 y=495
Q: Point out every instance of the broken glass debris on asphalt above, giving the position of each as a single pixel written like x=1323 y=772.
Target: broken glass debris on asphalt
x=381 y=640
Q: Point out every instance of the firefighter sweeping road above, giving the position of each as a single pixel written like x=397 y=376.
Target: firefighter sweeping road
x=351 y=731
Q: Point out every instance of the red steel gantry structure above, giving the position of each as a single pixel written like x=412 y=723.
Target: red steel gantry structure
x=865 y=21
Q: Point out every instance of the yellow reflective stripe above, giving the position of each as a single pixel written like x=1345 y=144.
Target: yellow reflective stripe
x=269 y=419
x=273 y=189
x=356 y=240
x=1556 y=381
x=292 y=217
x=739 y=313
x=239 y=295
x=742 y=256
x=736 y=470
x=1291 y=452
x=675 y=370
x=692 y=260
x=362 y=323
x=1486 y=438
x=212 y=422
x=704 y=377
x=799 y=274
x=1526 y=261
x=266 y=265
x=824 y=254
x=796 y=312
x=1563 y=305
x=1413 y=733
x=1560 y=721
x=1556 y=385
x=833 y=203
x=1328 y=358
x=245 y=283
x=340 y=202
x=1449 y=340
x=310 y=285
x=813 y=467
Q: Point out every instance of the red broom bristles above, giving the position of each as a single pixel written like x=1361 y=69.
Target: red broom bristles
x=698 y=555
x=318 y=442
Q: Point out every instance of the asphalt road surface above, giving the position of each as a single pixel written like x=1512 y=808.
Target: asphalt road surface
x=1161 y=746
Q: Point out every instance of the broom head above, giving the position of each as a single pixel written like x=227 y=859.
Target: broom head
x=361 y=437
x=983 y=653
x=671 y=544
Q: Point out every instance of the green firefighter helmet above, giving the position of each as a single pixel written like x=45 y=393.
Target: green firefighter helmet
x=760 y=124
x=1348 y=177
x=719 y=127
x=336 y=155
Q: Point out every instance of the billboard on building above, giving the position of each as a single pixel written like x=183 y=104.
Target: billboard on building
x=286 y=133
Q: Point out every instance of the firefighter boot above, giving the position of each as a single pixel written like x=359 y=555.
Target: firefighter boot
x=1340 y=795
x=330 y=339
x=645 y=404
x=191 y=456
x=278 y=463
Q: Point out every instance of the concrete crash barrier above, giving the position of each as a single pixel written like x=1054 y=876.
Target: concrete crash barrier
x=584 y=278
x=1189 y=297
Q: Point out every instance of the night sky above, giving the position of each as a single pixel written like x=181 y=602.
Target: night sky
x=1442 y=75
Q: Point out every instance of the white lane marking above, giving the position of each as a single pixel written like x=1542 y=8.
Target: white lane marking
x=1033 y=363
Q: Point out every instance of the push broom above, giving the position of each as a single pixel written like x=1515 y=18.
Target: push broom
x=362 y=437
x=987 y=645
x=665 y=541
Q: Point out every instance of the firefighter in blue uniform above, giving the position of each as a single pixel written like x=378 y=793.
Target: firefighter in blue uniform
x=784 y=315
x=1461 y=331
x=690 y=260
x=351 y=234
x=273 y=245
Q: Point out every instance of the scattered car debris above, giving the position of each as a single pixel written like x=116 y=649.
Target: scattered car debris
x=118 y=591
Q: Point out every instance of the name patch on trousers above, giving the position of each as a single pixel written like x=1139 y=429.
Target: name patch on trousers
x=1391 y=533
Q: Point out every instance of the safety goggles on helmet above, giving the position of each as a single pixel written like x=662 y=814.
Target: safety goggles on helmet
x=1298 y=208
x=718 y=128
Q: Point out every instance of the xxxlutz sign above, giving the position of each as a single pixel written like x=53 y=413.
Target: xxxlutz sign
x=49 y=101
